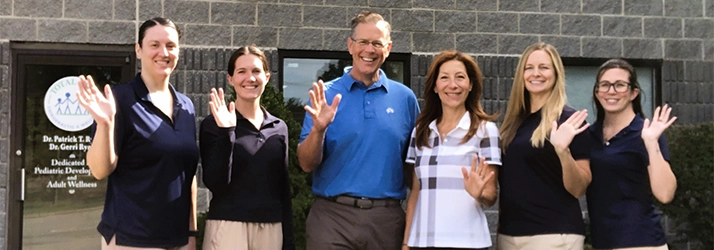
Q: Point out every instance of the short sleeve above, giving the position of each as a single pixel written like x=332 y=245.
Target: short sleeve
x=490 y=145
x=306 y=127
x=580 y=146
x=663 y=147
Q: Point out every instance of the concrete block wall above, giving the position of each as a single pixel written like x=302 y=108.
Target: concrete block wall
x=4 y=135
x=654 y=29
x=689 y=87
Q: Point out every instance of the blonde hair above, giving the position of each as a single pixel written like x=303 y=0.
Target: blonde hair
x=519 y=102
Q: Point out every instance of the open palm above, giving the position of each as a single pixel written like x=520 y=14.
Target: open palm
x=476 y=179
x=561 y=136
x=660 y=121
x=101 y=107
x=225 y=116
x=322 y=113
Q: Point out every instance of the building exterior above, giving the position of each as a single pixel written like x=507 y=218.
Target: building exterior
x=49 y=200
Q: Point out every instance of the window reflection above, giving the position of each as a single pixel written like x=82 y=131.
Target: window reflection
x=300 y=73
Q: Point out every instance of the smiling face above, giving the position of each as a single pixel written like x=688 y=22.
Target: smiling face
x=249 y=78
x=539 y=73
x=453 y=84
x=366 y=58
x=611 y=100
x=158 y=51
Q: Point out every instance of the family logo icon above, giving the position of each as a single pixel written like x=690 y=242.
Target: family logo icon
x=62 y=107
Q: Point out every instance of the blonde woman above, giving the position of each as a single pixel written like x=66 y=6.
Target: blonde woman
x=546 y=165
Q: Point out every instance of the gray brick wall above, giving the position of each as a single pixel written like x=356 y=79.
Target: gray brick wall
x=682 y=28
x=689 y=87
x=679 y=33
x=4 y=135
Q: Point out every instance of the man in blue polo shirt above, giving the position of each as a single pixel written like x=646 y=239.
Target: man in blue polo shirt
x=357 y=154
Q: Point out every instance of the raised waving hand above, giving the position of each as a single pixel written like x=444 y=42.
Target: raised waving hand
x=561 y=136
x=322 y=113
x=475 y=180
x=101 y=107
x=652 y=130
x=225 y=115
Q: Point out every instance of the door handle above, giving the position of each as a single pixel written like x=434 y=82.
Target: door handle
x=22 y=184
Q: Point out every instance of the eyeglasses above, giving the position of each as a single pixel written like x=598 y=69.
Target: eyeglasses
x=619 y=86
x=364 y=42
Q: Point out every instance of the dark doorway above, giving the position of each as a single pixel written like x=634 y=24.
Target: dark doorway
x=55 y=203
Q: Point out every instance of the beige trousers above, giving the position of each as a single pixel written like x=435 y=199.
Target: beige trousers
x=543 y=241
x=662 y=247
x=113 y=246
x=221 y=235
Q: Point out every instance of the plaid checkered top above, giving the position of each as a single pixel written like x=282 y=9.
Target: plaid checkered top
x=445 y=214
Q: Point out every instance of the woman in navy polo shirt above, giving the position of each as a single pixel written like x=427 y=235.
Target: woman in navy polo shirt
x=244 y=154
x=145 y=144
x=546 y=158
x=450 y=132
x=630 y=164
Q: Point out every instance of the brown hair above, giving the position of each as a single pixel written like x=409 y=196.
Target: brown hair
x=634 y=84
x=244 y=51
x=432 y=107
x=370 y=17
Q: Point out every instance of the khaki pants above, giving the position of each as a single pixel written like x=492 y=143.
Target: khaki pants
x=234 y=235
x=662 y=247
x=113 y=246
x=543 y=241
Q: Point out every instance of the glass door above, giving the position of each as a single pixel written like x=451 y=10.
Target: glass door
x=61 y=202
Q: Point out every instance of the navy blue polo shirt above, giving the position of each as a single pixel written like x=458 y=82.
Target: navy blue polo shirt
x=622 y=213
x=533 y=199
x=246 y=169
x=365 y=146
x=148 y=197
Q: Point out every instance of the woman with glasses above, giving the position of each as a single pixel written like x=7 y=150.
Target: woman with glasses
x=629 y=163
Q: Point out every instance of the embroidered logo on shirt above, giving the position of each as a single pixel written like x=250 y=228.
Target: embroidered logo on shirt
x=390 y=110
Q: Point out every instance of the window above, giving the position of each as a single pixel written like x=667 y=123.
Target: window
x=580 y=78
x=299 y=69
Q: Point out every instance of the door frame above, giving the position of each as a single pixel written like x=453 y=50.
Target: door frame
x=47 y=54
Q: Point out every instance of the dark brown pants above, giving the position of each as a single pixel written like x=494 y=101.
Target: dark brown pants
x=332 y=225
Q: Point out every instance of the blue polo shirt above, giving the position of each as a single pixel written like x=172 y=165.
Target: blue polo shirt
x=148 y=197
x=365 y=145
x=533 y=199
x=622 y=213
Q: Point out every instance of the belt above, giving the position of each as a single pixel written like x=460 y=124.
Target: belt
x=362 y=202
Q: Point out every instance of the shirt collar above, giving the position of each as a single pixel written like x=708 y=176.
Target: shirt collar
x=635 y=125
x=267 y=117
x=352 y=83
x=142 y=91
x=464 y=123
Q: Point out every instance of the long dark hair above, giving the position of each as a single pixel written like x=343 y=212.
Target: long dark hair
x=634 y=84
x=432 y=107
x=153 y=22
